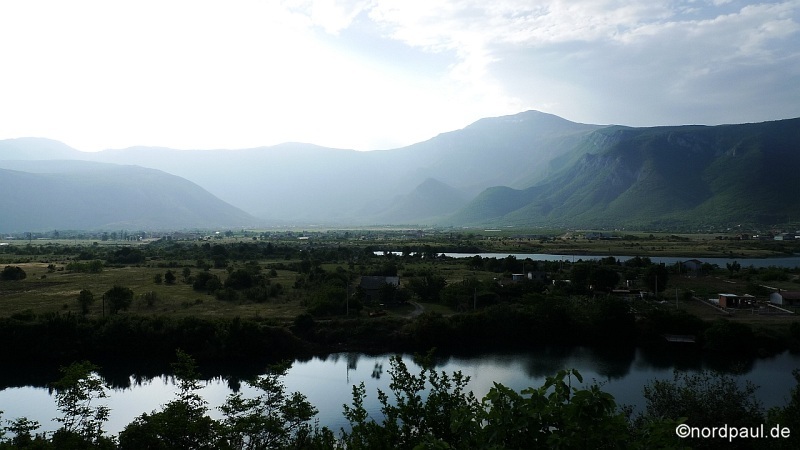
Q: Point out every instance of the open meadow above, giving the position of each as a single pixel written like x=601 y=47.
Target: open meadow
x=280 y=276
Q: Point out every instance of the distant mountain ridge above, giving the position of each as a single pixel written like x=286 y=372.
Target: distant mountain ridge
x=85 y=196
x=531 y=168
x=432 y=200
x=663 y=177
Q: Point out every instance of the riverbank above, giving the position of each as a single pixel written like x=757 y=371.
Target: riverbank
x=602 y=324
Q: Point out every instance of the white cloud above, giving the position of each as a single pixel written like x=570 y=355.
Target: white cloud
x=652 y=55
x=206 y=74
x=331 y=15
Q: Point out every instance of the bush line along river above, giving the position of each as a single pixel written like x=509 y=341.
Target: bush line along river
x=328 y=380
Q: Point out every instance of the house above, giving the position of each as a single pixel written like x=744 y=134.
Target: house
x=785 y=298
x=372 y=286
x=537 y=275
x=692 y=265
x=593 y=236
x=734 y=301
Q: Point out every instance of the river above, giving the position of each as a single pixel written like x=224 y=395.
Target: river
x=328 y=381
x=787 y=261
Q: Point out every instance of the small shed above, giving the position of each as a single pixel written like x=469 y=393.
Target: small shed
x=735 y=301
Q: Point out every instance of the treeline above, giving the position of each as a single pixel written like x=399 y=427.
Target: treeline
x=62 y=338
x=428 y=409
x=158 y=251
x=601 y=323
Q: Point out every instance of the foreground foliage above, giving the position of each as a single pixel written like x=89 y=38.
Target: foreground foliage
x=428 y=409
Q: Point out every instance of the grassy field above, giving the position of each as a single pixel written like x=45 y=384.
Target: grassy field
x=689 y=246
x=49 y=291
x=44 y=291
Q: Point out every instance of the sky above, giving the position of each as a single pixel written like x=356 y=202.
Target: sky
x=374 y=74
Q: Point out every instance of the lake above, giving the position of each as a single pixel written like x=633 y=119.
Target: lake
x=327 y=381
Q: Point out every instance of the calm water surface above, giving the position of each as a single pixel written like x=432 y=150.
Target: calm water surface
x=328 y=381
x=787 y=262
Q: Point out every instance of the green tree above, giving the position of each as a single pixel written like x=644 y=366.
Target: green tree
x=725 y=336
x=127 y=255
x=703 y=399
x=555 y=415
x=427 y=286
x=85 y=300
x=150 y=298
x=332 y=300
x=603 y=277
x=169 y=277
x=240 y=279
x=656 y=277
x=637 y=261
x=436 y=410
x=448 y=416
x=788 y=416
x=579 y=276
x=273 y=419
x=94 y=266
x=206 y=281
x=76 y=394
x=182 y=423
x=119 y=298
x=13 y=273
x=22 y=428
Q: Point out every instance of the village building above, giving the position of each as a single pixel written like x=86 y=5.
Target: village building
x=734 y=301
x=692 y=265
x=785 y=298
x=537 y=275
x=595 y=235
x=371 y=286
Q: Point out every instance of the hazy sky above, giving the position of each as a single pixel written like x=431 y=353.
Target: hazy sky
x=382 y=74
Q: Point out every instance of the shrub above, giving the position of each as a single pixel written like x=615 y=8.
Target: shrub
x=119 y=298
x=13 y=273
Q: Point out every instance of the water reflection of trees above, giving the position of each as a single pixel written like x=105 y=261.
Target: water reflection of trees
x=693 y=359
x=608 y=362
x=21 y=375
x=352 y=360
x=377 y=371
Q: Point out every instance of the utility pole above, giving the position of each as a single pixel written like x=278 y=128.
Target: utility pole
x=656 y=292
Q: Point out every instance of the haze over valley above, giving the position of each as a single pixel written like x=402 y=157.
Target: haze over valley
x=357 y=113
x=527 y=169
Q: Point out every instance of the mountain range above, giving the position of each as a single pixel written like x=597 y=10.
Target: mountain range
x=528 y=169
x=79 y=195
